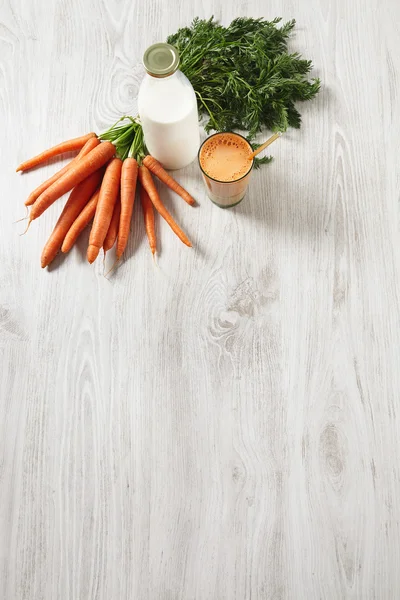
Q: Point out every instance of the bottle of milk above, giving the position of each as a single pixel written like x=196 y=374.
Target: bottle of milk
x=168 y=109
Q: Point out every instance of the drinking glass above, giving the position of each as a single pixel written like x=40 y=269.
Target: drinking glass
x=225 y=194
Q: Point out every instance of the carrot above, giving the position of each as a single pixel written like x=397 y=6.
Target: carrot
x=108 y=196
x=155 y=167
x=77 y=173
x=80 y=223
x=147 y=182
x=128 y=188
x=68 y=146
x=113 y=228
x=148 y=215
x=90 y=144
x=73 y=207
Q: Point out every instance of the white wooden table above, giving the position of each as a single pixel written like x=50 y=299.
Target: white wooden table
x=226 y=426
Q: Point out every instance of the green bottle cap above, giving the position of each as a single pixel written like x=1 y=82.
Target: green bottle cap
x=161 y=60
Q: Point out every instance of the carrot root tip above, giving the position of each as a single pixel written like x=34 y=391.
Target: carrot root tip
x=92 y=253
x=27 y=227
x=155 y=259
x=23 y=219
x=104 y=261
x=112 y=268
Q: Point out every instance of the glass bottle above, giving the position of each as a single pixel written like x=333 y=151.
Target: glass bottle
x=168 y=109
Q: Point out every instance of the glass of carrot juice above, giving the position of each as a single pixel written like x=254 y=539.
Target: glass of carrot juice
x=226 y=164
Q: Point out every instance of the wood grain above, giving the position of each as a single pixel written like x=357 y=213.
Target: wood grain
x=226 y=426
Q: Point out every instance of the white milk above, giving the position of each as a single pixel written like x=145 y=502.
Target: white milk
x=168 y=113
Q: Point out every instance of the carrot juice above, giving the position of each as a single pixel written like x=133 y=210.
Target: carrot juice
x=226 y=166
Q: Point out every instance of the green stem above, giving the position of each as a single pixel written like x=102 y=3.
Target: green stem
x=131 y=152
x=110 y=133
x=125 y=136
x=208 y=99
x=141 y=149
x=112 y=127
x=206 y=107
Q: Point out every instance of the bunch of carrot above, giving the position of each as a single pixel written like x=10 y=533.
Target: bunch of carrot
x=102 y=179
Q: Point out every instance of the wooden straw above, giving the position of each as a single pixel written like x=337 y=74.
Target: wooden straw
x=265 y=144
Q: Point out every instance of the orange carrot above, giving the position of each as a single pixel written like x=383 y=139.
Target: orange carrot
x=80 y=223
x=148 y=215
x=113 y=229
x=90 y=144
x=108 y=196
x=147 y=181
x=155 y=167
x=128 y=188
x=68 y=146
x=73 y=207
x=75 y=174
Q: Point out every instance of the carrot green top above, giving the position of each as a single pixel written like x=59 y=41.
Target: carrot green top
x=127 y=138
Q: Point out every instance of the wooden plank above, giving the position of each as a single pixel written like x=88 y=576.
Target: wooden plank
x=226 y=426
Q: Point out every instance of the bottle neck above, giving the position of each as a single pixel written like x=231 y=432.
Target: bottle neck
x=167 y=78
